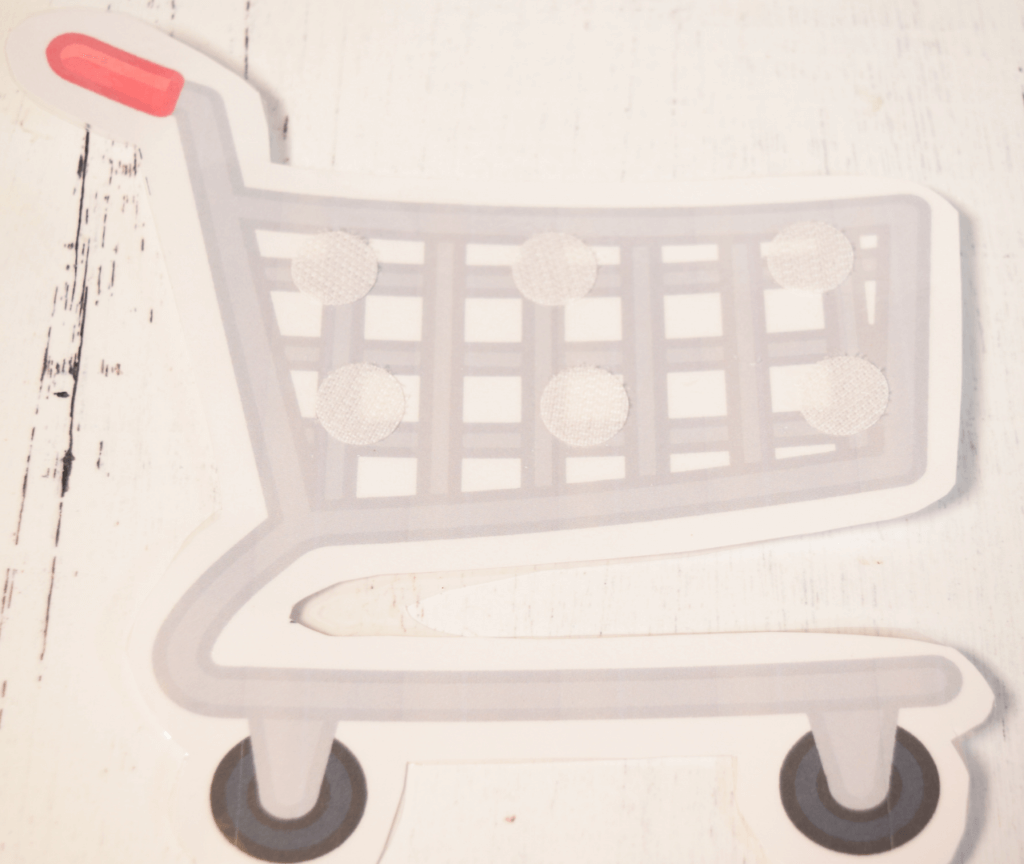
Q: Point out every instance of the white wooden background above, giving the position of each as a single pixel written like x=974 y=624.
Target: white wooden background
x=105 y=465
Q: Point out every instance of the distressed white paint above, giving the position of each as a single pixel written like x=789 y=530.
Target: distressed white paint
x=580 y=89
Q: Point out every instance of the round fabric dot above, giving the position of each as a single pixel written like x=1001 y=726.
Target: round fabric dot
x=844 y=395
x=553 y=269
x=360 y=403
x=584 y=406
x=335 y=267
x=810 y=256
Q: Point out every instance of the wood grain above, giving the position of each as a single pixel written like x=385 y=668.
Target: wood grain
x=106 y=464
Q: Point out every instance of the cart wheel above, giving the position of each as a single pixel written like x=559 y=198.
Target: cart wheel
x=913 y=797
x=244 y=822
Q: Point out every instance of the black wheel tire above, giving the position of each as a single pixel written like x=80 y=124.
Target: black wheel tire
x=241 y=819
x=909 y=806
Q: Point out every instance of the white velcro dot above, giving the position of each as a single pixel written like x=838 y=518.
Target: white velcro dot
x=360 y=403
x=552 y=269
x=335 y=267
x=810 y=256
x=843 y=395
x=584 y=406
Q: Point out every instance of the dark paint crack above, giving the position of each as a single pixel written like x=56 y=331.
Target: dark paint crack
x=3 y=608
x=245 y=65
x=83 y=253
x=49 y=600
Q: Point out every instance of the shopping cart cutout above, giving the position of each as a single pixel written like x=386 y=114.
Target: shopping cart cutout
x=408 y=397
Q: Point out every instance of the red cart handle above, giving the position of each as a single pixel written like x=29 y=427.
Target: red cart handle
x=115 y=74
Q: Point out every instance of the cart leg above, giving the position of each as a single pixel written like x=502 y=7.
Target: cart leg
x=856 y=749
x=290 y=758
